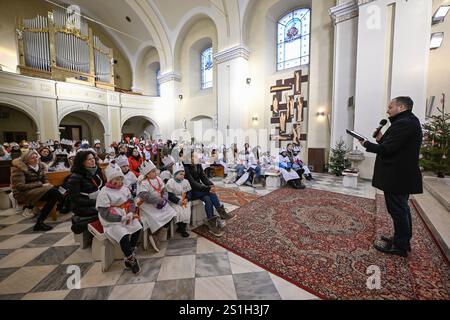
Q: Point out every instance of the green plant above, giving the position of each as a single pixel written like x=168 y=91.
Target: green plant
x=435 y=150
x=338 y=160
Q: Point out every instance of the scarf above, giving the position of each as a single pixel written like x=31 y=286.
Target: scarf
x=92 y=171
x=111 y=186
x=35 y=168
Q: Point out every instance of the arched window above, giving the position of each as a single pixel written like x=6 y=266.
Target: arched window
x=293 y=39
x=207 y=68
x=158 y=84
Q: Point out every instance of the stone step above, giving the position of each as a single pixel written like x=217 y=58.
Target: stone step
x=440 y=189
x=436 y=217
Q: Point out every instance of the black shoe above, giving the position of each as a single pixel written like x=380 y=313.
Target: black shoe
x=40 y=226
x=389 y=240
x=299 y=184
x=179 y=227
x=133 y=265
x=309 y=177
x=391 y=249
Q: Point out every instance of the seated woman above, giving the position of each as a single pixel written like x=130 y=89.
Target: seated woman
x=204 y=190
x=84 y=184
x=46 y=155
x=289 y=174
x=117 y=210
x=152 y=198
x=180 y=196
x=61 y=162
x=29 y=185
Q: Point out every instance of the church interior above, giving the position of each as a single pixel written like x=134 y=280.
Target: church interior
x=258 y=94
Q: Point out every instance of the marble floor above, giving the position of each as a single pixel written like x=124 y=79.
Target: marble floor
x=36 y=265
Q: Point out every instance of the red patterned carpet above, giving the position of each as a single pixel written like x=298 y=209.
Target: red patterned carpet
x=322 y=242
x=235 y=197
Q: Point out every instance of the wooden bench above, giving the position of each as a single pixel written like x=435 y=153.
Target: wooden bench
x=104 y=249
x=198 y=213
x=56 y=179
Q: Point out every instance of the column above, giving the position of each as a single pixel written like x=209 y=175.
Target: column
x=232 y=92
x=345 y=18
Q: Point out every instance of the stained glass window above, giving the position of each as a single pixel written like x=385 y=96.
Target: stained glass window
x=207 y=68
x=158 y=84
x=293 y=39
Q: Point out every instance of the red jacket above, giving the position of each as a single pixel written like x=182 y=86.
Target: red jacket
x=134 y=165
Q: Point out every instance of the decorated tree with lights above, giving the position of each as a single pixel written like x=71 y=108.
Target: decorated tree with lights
x=435 y=151
x=338 y=160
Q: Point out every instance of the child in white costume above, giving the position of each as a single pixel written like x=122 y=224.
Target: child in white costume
x=155 y=210
x=116 y=211
x=179 y=195
x=167 y=170
x=130 y=179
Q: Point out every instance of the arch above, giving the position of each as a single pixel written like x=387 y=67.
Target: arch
x=147 y=13
x=18 y=121
x=21 y=106
x=79 y=116
x=140 y=128
x=145 y=56
x=84 y=108
x=157 y=130
x=185 y=26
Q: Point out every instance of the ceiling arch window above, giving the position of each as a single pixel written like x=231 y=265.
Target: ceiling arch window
x=206 y=68
x=293 y=38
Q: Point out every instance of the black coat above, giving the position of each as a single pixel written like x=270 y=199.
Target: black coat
x=197 y=178
x=397 y=162
x=81 y=184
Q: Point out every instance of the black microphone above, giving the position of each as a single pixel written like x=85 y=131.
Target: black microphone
x=382 y=124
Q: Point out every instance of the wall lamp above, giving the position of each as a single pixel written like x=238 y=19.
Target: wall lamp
x=320 y=114
x=180 y=96
x=436 y=40
x=440 y=14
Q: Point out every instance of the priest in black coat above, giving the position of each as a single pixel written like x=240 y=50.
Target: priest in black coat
x=397 y=171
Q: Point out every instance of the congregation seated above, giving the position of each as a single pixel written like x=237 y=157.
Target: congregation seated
x=45 y=154
x=297 y=164
x=29 y=185
x=84 y=183
x=134 y=160
x=290 y=175
x=166 y=171
x=248 y=165
x=61 y=161
x=204 y=190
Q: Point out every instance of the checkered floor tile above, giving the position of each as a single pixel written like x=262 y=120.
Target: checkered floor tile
x=36 y=265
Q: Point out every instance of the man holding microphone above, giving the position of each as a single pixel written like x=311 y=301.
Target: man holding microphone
x=397 y=171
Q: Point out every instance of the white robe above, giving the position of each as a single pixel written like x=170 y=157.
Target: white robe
x=129 y=179
x=287 y=175
x=151 y=217
x=111 y=197
x=165 y=175
x=177 y=188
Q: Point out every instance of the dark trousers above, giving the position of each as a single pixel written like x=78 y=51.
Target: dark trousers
x=51 y=197
x=128 y=243
x=398 y=208
x=209 y=199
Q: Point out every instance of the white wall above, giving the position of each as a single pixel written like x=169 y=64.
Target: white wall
x=376 y=83
x=439 y=65
x=196 y=101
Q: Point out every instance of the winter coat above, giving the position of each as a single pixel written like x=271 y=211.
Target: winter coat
x=81 y=185
x=397 y=163
x=197 y=178
x=27 y=184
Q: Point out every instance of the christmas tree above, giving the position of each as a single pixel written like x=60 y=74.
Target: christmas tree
x=338 y=159
x=435 y=151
